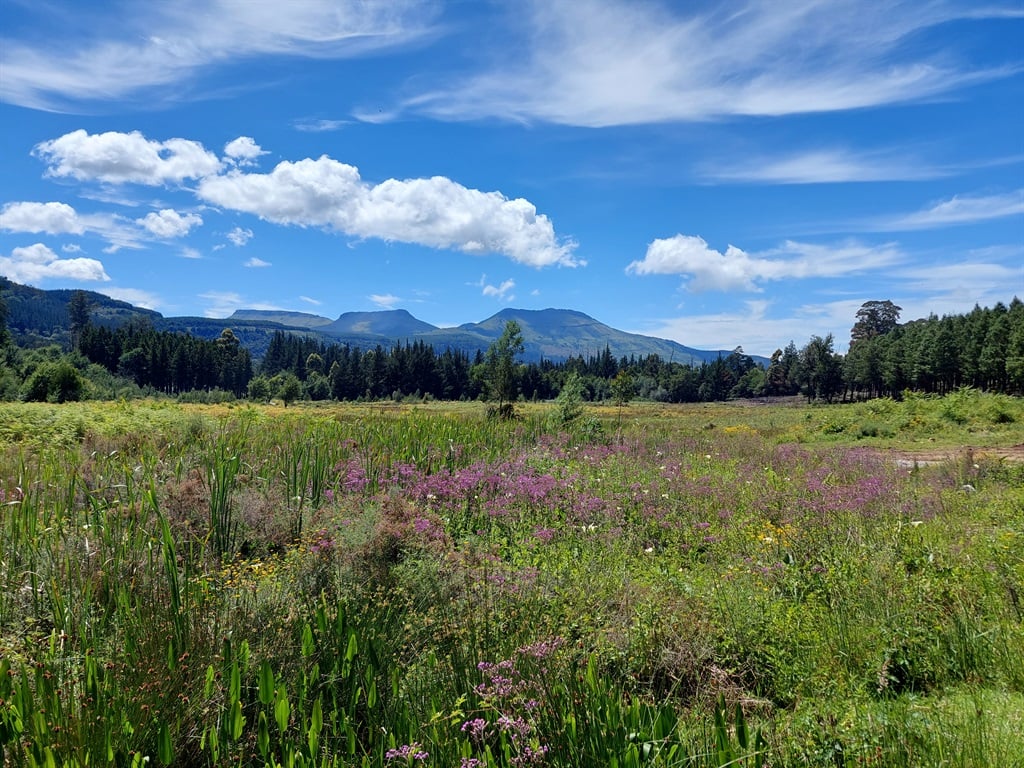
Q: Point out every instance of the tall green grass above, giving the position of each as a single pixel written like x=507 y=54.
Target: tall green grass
x=223 y=585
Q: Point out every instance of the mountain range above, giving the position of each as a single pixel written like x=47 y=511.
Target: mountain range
x=36 y=316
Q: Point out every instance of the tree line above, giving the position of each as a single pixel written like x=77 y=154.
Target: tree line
x=167 y=362
x=983 y=349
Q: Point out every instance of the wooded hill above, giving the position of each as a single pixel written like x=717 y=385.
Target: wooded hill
x=983 y=349
x=38 y=317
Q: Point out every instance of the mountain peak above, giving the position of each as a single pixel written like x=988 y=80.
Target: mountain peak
x=396 y=323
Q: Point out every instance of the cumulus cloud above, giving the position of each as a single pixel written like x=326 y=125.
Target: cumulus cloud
x=168 y=223
x=709 y=270
x=243 y=151
x=240 y=236
x=257 y=263
x=384 y=300
x=37 y=262
x=52 y=218
x=139 y=298
x=620 y=62
x=435 y=212
x=959 y=209
x=61 y=218
x=150 y=46
x=126 y=158
x=502 y=292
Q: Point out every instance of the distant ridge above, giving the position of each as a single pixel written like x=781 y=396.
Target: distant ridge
x=394 y=323
x=548 y=334
x=284 y=317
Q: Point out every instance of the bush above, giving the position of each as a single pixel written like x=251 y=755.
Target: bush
x=54 y=382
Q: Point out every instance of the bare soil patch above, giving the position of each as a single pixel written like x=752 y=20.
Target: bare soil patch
x=926 y=456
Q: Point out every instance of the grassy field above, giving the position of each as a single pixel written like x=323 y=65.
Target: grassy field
x=741 y=584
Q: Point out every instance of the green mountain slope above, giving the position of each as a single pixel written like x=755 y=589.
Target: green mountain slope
x=37 y=316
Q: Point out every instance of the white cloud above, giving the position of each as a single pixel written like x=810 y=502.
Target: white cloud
x=240 y=236
x=822 y=166
x=385 y=300
x=501 y=292
x=257 y=263
x=710 y=270
x=965 y=209
x=757 y=329
x=310 y=300
x=169 y=223
x=244 y=150
x=52 y=218
x=37 y=262
x=223 y=303
x=434 y=212
x=126 y=158
x=61 y=218
x=71 y=248
x=620 y=62
x=140 y=46
x=319 y=126
x=966 y=282
x=190 y=253
x=139 y=298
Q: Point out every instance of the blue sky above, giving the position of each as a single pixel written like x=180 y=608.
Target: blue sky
x=718 y=173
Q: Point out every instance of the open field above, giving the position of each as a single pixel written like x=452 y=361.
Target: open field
x=413 y=585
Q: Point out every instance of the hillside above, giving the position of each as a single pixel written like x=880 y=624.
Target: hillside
x=38 y=317
x=282 y=317
x=35 y=316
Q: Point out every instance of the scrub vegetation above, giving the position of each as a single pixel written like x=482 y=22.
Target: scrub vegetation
x=420 y=585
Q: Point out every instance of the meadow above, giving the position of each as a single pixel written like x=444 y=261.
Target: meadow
x=391 y=585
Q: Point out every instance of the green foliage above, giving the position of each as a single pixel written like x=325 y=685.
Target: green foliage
x=286 y=387
x=501 y=378
x=54 y=382
x=364 y=585
x=569 y=403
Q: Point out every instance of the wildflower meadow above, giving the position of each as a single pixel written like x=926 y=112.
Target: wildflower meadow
x=419 y=585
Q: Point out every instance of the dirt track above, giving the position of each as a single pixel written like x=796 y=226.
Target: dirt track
x=1014 y=453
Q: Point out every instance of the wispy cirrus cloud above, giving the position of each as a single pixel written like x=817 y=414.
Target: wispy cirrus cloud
x=311 y=125
x=167 y=46
x=706 y=269
x=136 y=296
x=384 y=300
x=822 y=166
x=957 y=210
x=612 y=62
x=760 y=326
x=223 y=303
